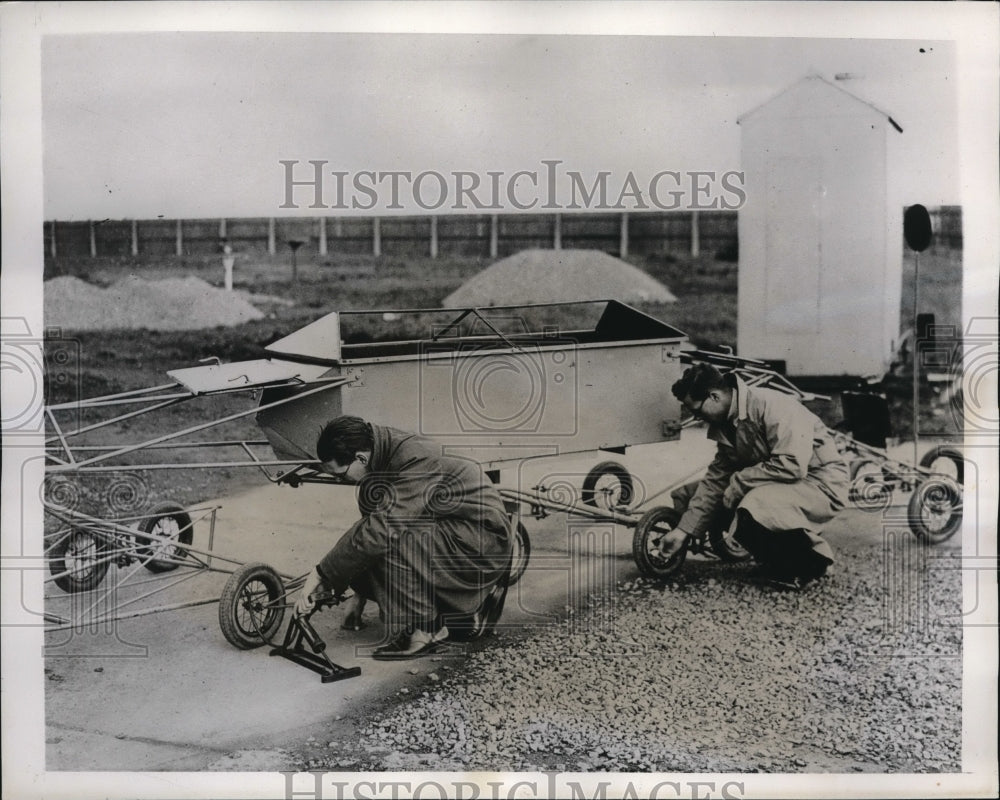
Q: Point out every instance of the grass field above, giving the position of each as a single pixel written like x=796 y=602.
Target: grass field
x=119 y=360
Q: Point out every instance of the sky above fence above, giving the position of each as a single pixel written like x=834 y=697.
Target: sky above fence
x=196 y=124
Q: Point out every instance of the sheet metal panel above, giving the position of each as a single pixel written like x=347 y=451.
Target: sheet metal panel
x=245 y=375
x=317 y=340
x=500 y=405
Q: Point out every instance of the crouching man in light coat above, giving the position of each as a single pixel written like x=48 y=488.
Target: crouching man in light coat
x=776 y=478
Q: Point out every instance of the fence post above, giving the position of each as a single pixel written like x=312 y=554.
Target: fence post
x=434 y=236
x=376 y=236
x=135 y=237
x=53 y=250
x=695 y=235
x=623 y=239
x=271 y=246
x=557 y=233
x=93 y=239
x=494 y=235
x=322 y=236
x=179 y=246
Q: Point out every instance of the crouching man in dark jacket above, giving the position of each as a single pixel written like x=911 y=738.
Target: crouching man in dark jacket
x=433 y=539
x=776 y=478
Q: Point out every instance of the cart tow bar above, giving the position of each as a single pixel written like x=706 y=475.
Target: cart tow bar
x=300 y=632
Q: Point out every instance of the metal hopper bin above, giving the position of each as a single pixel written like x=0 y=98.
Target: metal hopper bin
x=495 y=384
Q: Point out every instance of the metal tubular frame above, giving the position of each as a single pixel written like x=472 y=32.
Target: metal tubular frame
x=106 y=453
x=199 y=560
x=63 y=457
x=754 y=373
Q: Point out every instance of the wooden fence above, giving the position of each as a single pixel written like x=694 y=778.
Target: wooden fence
x=492 y=236
x=621 y=234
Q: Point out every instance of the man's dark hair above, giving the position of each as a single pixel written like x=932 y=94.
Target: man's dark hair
x=700 y=380
x=342 y=437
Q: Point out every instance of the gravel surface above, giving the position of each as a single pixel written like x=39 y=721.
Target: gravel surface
x=712 y=672
x=542 y=276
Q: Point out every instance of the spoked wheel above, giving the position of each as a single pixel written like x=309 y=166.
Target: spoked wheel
x=935 y=510
x=726 y=547
x=521 y=546
x=869 y=489
x=947 y=462
x=172 y=522
x=79 y=560
x=252 y=606
x=608 y=485
x=646 y=540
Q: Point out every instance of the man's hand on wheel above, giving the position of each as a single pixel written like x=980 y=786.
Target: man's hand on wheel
x=306 y=602
x=732 y=497
x=671 y=542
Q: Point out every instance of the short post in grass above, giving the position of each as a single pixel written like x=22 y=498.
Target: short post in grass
x=228 y=260
x=295 y=244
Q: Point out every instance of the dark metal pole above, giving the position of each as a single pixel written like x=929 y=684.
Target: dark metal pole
x=916 y=357
x=918 y=233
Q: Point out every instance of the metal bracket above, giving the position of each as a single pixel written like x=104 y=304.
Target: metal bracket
x=300 y=631
x=671 y=430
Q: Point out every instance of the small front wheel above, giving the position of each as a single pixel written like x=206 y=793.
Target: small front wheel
x=947 y=462
x=167 y=523
x=649 y=530
x=870 y=491
x=521 y=545
x=251 y=607
x=935 y=510
x=608 y=486
x=79 y=560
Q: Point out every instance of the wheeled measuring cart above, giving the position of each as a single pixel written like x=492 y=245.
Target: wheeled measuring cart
x=499 y=385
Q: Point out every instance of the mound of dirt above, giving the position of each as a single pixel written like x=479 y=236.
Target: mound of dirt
x=547 y=276
x=172 y=304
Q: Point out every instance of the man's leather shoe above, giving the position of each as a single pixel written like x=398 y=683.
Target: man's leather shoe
x=410 y=644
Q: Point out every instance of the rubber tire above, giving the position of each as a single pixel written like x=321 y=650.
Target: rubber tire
x=949 y=453
x=652 y=521
x=57 y=563
x=727 y=549
x=250 y=578
x=858 y=463
x=590 y=497
x=881 y=501
x=937 y=490
x=145 y=547
x=522 y=553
